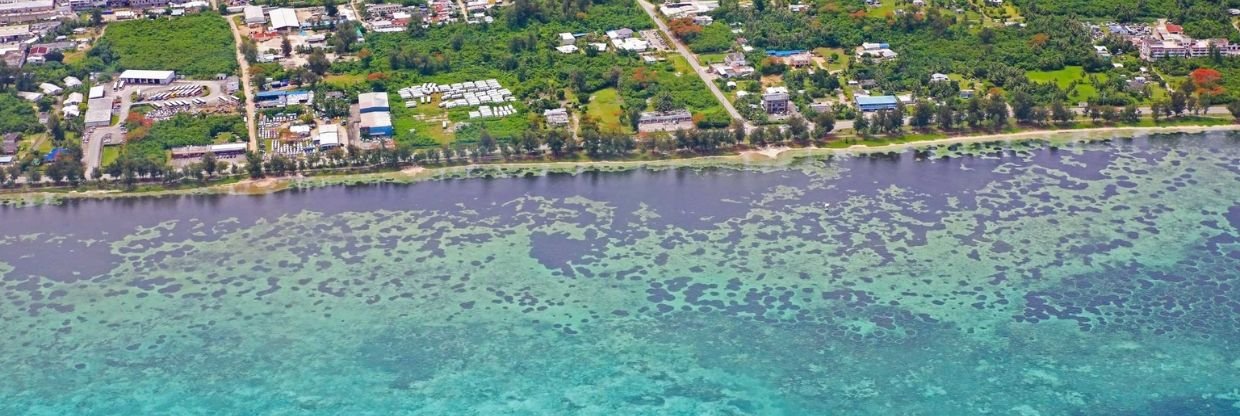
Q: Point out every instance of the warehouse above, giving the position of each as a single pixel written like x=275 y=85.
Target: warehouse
x=99 y=112
x=377 y=124
x=876 y=103
x=254 y=15
x=283 y=19
x=371 y=102
x=137 y=76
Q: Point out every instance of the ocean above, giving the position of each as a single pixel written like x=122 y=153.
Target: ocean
x=1024 y=278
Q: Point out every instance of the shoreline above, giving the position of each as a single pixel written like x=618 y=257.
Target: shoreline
x=754 y=157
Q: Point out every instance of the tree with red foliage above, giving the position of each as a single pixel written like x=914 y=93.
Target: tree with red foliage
x=1207 y=81
x=684 y=28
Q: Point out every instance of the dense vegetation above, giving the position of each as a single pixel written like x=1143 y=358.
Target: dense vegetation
x=1201 y=18
x=198 y=45
x=518 y=50
x=17 y=115
x=152 y=140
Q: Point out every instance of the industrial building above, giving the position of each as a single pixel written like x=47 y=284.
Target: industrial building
x=370 y=102
x=329 y=136
x=282 y=19
x=876 y=103
x=139 y=76
x=378 y=123
x=226 y=150
x=98 y=112
x=254 y=15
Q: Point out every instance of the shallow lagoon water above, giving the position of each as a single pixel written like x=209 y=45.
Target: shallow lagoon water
x=1007 y=279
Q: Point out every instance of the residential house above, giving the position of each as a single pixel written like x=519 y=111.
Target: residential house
x=876 y=51
x=775 y=100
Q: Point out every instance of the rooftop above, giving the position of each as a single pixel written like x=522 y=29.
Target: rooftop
x=283 y=18
x=147 y=74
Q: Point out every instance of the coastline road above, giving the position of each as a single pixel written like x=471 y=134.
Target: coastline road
x=251 y=112
x=684 y=51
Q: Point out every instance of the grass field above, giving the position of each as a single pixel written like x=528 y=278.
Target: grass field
x=885 y=8
x=1064 y=77
x=110 y=153
x=711 y=58
x=605 y=109
x=344 y=81
x=840 y=64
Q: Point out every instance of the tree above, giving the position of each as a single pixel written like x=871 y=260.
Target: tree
x=664 y=102
x=946 y=117
x=254 y=164
x=738 y=131
x=1179 y=101
x=923 y=112
x=286 y=47
x=1022 y=107
x=208 y=163
x=825 y=121
x=318 y=63
x=798 y=129
x=250 y=50
x=1234 y=108
x=1109 y=114
x=860 y=123
x=329 y=6
x=997 y=112
x=96 y=17
x=1060 y=112
x=1130 y=114
x=486 y=143
x=1157 y=108
x=530 y=141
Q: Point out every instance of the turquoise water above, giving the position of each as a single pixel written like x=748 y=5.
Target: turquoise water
x=1002 y=279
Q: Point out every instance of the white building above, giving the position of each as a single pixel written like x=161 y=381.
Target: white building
x=99 y=112
x=254 y=15
x=72 y=82
x=50 y=89
x=140 y=76
x=329 y=136
x=283 y=19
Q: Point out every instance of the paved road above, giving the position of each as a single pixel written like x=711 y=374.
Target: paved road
x=701 y=71
x=251 y=112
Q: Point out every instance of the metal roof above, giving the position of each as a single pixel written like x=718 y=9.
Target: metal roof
x=372 y=100
x=147 y=74
x=877 y=100
x=283 y=18
x=99 y=110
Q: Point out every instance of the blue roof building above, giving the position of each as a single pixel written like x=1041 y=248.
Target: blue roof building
x=51 y=156
x=876 y=103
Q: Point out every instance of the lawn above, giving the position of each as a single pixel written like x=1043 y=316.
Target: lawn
x=604 y=108
x=711 y=58
x=344 y=81
x=1064 y=78
x=110 y=153
x=840 y=64
x=198 y=45
x=886 y=7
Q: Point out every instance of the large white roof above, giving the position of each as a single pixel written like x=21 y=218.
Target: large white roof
x=147 y=74
x=283 y=18
x=99 y=110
